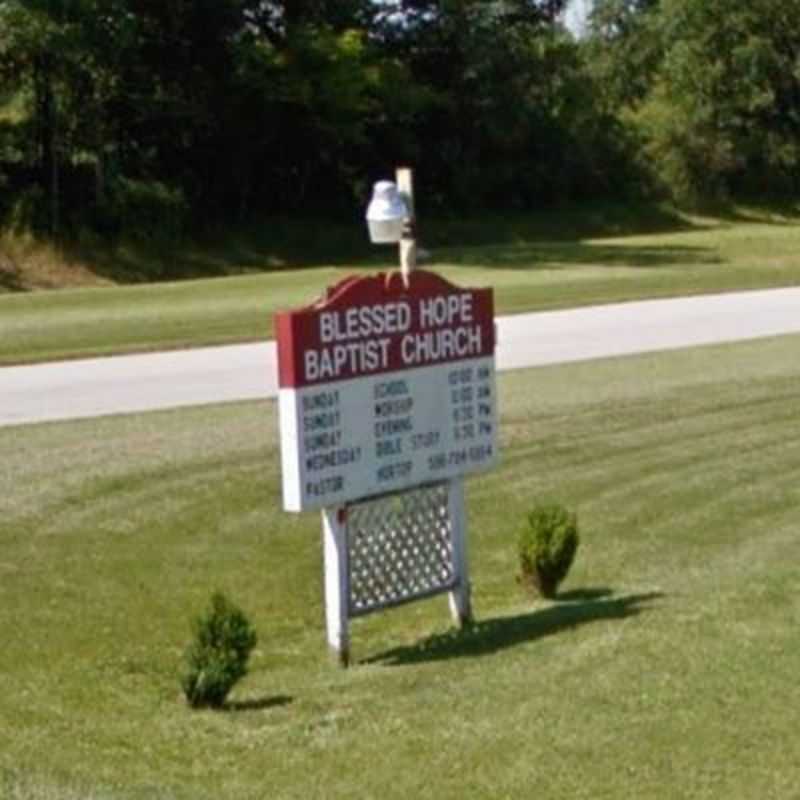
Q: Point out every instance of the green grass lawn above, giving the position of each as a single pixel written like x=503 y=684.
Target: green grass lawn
x=531 y=267
x=668 y=669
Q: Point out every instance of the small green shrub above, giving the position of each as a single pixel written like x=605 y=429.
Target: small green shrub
x=217 y=658
x=547 y=547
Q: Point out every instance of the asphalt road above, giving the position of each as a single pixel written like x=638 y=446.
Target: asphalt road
x=123 y=384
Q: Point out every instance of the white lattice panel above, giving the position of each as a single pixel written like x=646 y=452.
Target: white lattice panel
x=400 y=548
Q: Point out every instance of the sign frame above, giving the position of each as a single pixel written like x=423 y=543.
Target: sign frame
x=384 y=385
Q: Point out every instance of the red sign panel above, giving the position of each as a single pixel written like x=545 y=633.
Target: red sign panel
x=366 y=326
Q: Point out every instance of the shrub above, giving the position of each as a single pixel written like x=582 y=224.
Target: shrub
x=27 y=211
x=148 y=212
x=217 y=658
x=547 y=546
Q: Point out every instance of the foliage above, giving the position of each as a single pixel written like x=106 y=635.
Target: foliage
x=712 y=89
x=732 y=78
x=513 y=123
x=217 y=658
x=547 y=547
x=148 y=210
x=623 y=50
x=247 y=108
x=27 y=211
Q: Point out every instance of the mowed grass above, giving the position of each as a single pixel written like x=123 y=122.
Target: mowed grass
x=530 y=266
x=668 y=668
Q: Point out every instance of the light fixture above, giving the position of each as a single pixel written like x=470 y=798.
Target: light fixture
x=386 y=214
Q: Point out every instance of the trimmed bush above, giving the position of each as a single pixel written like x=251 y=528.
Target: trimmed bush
x=217 y=658
x=547 y=547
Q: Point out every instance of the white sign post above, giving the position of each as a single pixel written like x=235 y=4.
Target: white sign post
x=460 y=599
x=337 y=591
x=387 y=399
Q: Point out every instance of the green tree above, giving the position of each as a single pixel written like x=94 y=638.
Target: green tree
x=64 y=57
x=624 y=50
x=514 y=118
x=723 y=114
x=241 y=107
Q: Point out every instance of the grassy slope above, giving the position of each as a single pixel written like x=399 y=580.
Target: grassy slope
x=531 y=266
x=669 y=669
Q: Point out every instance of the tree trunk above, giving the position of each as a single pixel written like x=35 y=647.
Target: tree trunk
x=47 y=134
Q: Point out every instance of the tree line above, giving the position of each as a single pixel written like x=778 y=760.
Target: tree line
x=148 y=116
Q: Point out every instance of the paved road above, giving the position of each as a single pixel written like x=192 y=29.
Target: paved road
x=94 y=387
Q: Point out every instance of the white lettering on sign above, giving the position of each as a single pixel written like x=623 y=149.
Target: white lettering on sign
x=434 y=312
x=445 y=332
x=361 y=357
x=363 y=321
x=443 y=345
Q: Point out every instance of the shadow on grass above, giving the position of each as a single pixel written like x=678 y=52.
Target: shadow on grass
x=525 y=240
x=557 y=255
x=128 y=264
x=276 y=246
x=256 y=704
x=779 y=212
x=522 y=240
x=569 y=224
x=493 y=635
x=584 y=595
